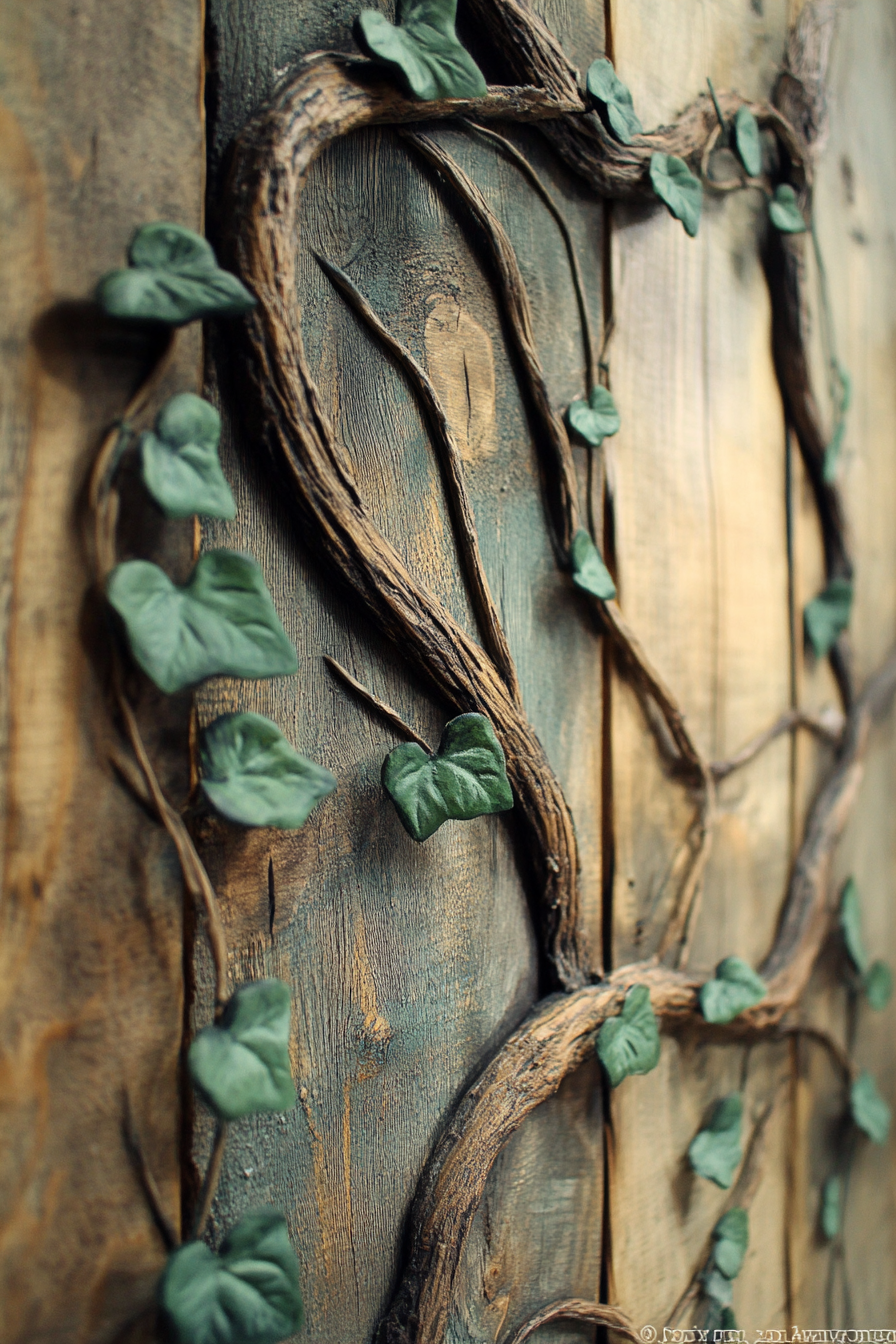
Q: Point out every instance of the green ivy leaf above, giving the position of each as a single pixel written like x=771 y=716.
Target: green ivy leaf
x=746 y=137
x=715 y=1153
x=607 y=88
x=719 y=1318
x=827 y=615
x=465 y=778
x=831 y=1206
x=784 y=210
x=868 y=1108
x=221 y=621
x=422 y=49
x=173 y=277
x=851 y=926
x=240 y=1066
x=730 y=1238
x=588 y=569
x=180 y=462
x=717 y=1286
x=877 y=982
x=679 y=190
x=253 y=776
x=736 y=986
x=247 y=1294
x=595 y=419
x=630 y=1042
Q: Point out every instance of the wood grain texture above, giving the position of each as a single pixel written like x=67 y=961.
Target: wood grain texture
x=101 y=130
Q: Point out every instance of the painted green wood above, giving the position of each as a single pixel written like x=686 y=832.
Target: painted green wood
x=409 y=963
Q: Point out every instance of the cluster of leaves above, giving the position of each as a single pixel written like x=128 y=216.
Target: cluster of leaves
x=422 y=49
x=593 y=421
x=221 y=621
x=730 y=1239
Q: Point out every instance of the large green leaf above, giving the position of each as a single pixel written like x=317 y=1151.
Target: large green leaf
x=679 y=190
x=180 y=462
x=868 y=1108
x=240 y=1066
x=173 y=277
x=221 y=621
x=588 y=569
x=831 y=1207
x=422 y=49
x=877 y=982
x=630 y=1042
x=746 y=137
x=851 y=926
x=595 y=419
x=607 y=88
x=465 y=778
x=736 y=986
x=730 y=1239
x=252 y=775
x=715 y=1152
x=827 y=615
x=247 y=1294
x=784 y=210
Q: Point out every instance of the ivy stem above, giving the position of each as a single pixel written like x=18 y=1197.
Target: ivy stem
x=826 y=1040
x=167 y=1230
x=828 y=726
x=212 y=1177
x=379 y=706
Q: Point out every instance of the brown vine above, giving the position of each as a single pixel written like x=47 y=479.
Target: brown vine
x=329 y=97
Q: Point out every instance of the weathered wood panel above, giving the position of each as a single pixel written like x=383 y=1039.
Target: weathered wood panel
x=101 y=130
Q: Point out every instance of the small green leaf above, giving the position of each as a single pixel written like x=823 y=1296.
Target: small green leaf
x=831 y=1206
x=715 y=1153
x=746 y=136
x=465 y=778
x=595 y=419
x=247 y=1294
x=827 y=615
x=607 y=88
x=730 y=1238
x=784 y=210
x=630 y=1042
x=253 y=776
x=173 y=277
x=180 y=462
x=422 y=49
x=221 y=622
x=240 y=1066
x=868 y=1108
x=877 y=982
x=736 y=986
x=717 y=1286
x=588 y=569
x=679 y=190
x=851 y=926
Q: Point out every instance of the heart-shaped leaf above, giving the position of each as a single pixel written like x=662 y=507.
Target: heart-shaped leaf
x=465 y=778
x=730 y=1239
x=588 y=569
x=679 y=190
x=868 y=1108
x=607 y=89
x=253 y=776
x=827 y=615
x=173 y=277
x=180 y=462
x=247 y=1294
x=831 y=1207
x=736 y=986
x=595 y=419
x=715 y=1153
x=877 y=982
x=240 y=1066
x=851 y=926
x=746 y=137
x=630 y=1043
x=784 y=210
x=221 y=621
x=422 y=49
